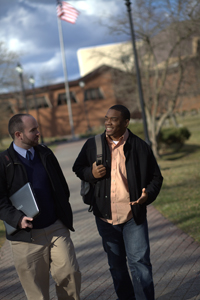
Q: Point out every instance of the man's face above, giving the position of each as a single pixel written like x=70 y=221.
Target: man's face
x=30 y=135
x=115 y=124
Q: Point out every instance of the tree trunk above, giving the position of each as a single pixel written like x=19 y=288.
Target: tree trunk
x=154 y=143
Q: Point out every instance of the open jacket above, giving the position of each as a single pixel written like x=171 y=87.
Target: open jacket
x=14 y=173
x=142 y=172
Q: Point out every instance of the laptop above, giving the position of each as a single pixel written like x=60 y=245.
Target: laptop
x=24 y=200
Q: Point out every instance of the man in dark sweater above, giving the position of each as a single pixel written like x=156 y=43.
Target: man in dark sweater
x=41 y=245
x=128 y=180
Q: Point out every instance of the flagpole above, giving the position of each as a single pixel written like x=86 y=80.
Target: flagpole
x=66 y=80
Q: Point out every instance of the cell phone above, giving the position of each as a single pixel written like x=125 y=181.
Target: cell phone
x=29 y=222
x=98 y=162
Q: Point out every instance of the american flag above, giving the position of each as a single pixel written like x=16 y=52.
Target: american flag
x=66 y=12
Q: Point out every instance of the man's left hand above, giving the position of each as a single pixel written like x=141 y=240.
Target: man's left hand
x=142 y=199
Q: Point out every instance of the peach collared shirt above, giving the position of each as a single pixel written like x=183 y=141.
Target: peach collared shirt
x=120 y=198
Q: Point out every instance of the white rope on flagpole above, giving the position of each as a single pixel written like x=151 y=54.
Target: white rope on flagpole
x=66 y=80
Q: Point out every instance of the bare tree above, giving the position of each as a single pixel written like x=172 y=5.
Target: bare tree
x=8 y=82
x=167 y=31
x=8 y=62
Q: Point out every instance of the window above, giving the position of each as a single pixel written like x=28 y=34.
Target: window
x=41 y=102
x=93 y=94
x=62 y=98
x=125 y=59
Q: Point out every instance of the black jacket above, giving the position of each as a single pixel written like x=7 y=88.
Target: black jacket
x=17 y=171
x=142 y=172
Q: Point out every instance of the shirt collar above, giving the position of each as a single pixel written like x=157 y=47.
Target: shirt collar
x=122 y=139
x=23 y=151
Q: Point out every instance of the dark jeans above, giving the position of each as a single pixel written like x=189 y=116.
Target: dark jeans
x=130 y=242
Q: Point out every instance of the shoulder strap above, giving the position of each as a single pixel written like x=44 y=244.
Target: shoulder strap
x=9 y=168
x=99 y=149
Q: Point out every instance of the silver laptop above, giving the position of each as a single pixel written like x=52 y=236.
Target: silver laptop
x=25 y=201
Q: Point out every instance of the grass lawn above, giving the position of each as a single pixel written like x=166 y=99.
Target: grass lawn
x=179 y=198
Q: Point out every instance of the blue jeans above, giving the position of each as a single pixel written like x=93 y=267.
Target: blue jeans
x=123 y=242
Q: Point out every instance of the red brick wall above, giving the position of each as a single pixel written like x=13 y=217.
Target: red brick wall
x=55 y=120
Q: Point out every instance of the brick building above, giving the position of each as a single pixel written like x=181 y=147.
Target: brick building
x=89 y=103
x=103 y=87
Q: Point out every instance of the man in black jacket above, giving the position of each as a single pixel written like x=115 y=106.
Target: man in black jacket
x=127 y=181
x=43 y=244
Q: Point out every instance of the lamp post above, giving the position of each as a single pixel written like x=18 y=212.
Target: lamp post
x=82 y=84
x=19 y=69
x=32 y=82
x=128 y=4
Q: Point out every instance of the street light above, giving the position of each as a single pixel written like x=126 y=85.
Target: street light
x=32 y=82
x=128 y=4
x=20 y=71
x=82 y=85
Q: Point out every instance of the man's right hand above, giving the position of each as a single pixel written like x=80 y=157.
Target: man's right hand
x=98 y=171
x=25 y=222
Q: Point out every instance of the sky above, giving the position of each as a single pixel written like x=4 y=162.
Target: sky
x=30 y=27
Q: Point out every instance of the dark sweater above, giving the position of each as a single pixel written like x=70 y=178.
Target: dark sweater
x=39 y=179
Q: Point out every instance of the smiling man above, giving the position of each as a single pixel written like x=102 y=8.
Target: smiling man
x=43 y=244
x=129 y=180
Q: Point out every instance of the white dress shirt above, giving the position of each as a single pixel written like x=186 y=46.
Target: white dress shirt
x=23 y=151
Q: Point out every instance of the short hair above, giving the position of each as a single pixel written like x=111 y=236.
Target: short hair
x=16 y=124
x=123 y=109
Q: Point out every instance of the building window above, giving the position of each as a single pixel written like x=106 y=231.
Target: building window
x=40 y=101
x=125 y=59
x=62 y=98
x=93 y=94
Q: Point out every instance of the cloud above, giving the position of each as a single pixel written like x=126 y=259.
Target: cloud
x=100 y=8
x=49 y=65
x=30 y=28
x=17 y=45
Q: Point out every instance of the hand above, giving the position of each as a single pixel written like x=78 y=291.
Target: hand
x=142 y=199
x=98 y=171
x=25 y=222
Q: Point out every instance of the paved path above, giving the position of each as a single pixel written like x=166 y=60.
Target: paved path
x=175 y=256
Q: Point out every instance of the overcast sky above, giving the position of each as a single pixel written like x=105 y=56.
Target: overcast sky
x=30 y=28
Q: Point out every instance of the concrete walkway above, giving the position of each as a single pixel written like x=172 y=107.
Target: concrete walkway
x=175 y=256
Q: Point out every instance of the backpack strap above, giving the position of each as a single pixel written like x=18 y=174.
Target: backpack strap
x=99 y=161
x=9 y=167
x=99 y=149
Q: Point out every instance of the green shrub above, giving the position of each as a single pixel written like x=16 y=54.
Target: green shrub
x=174 y=135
